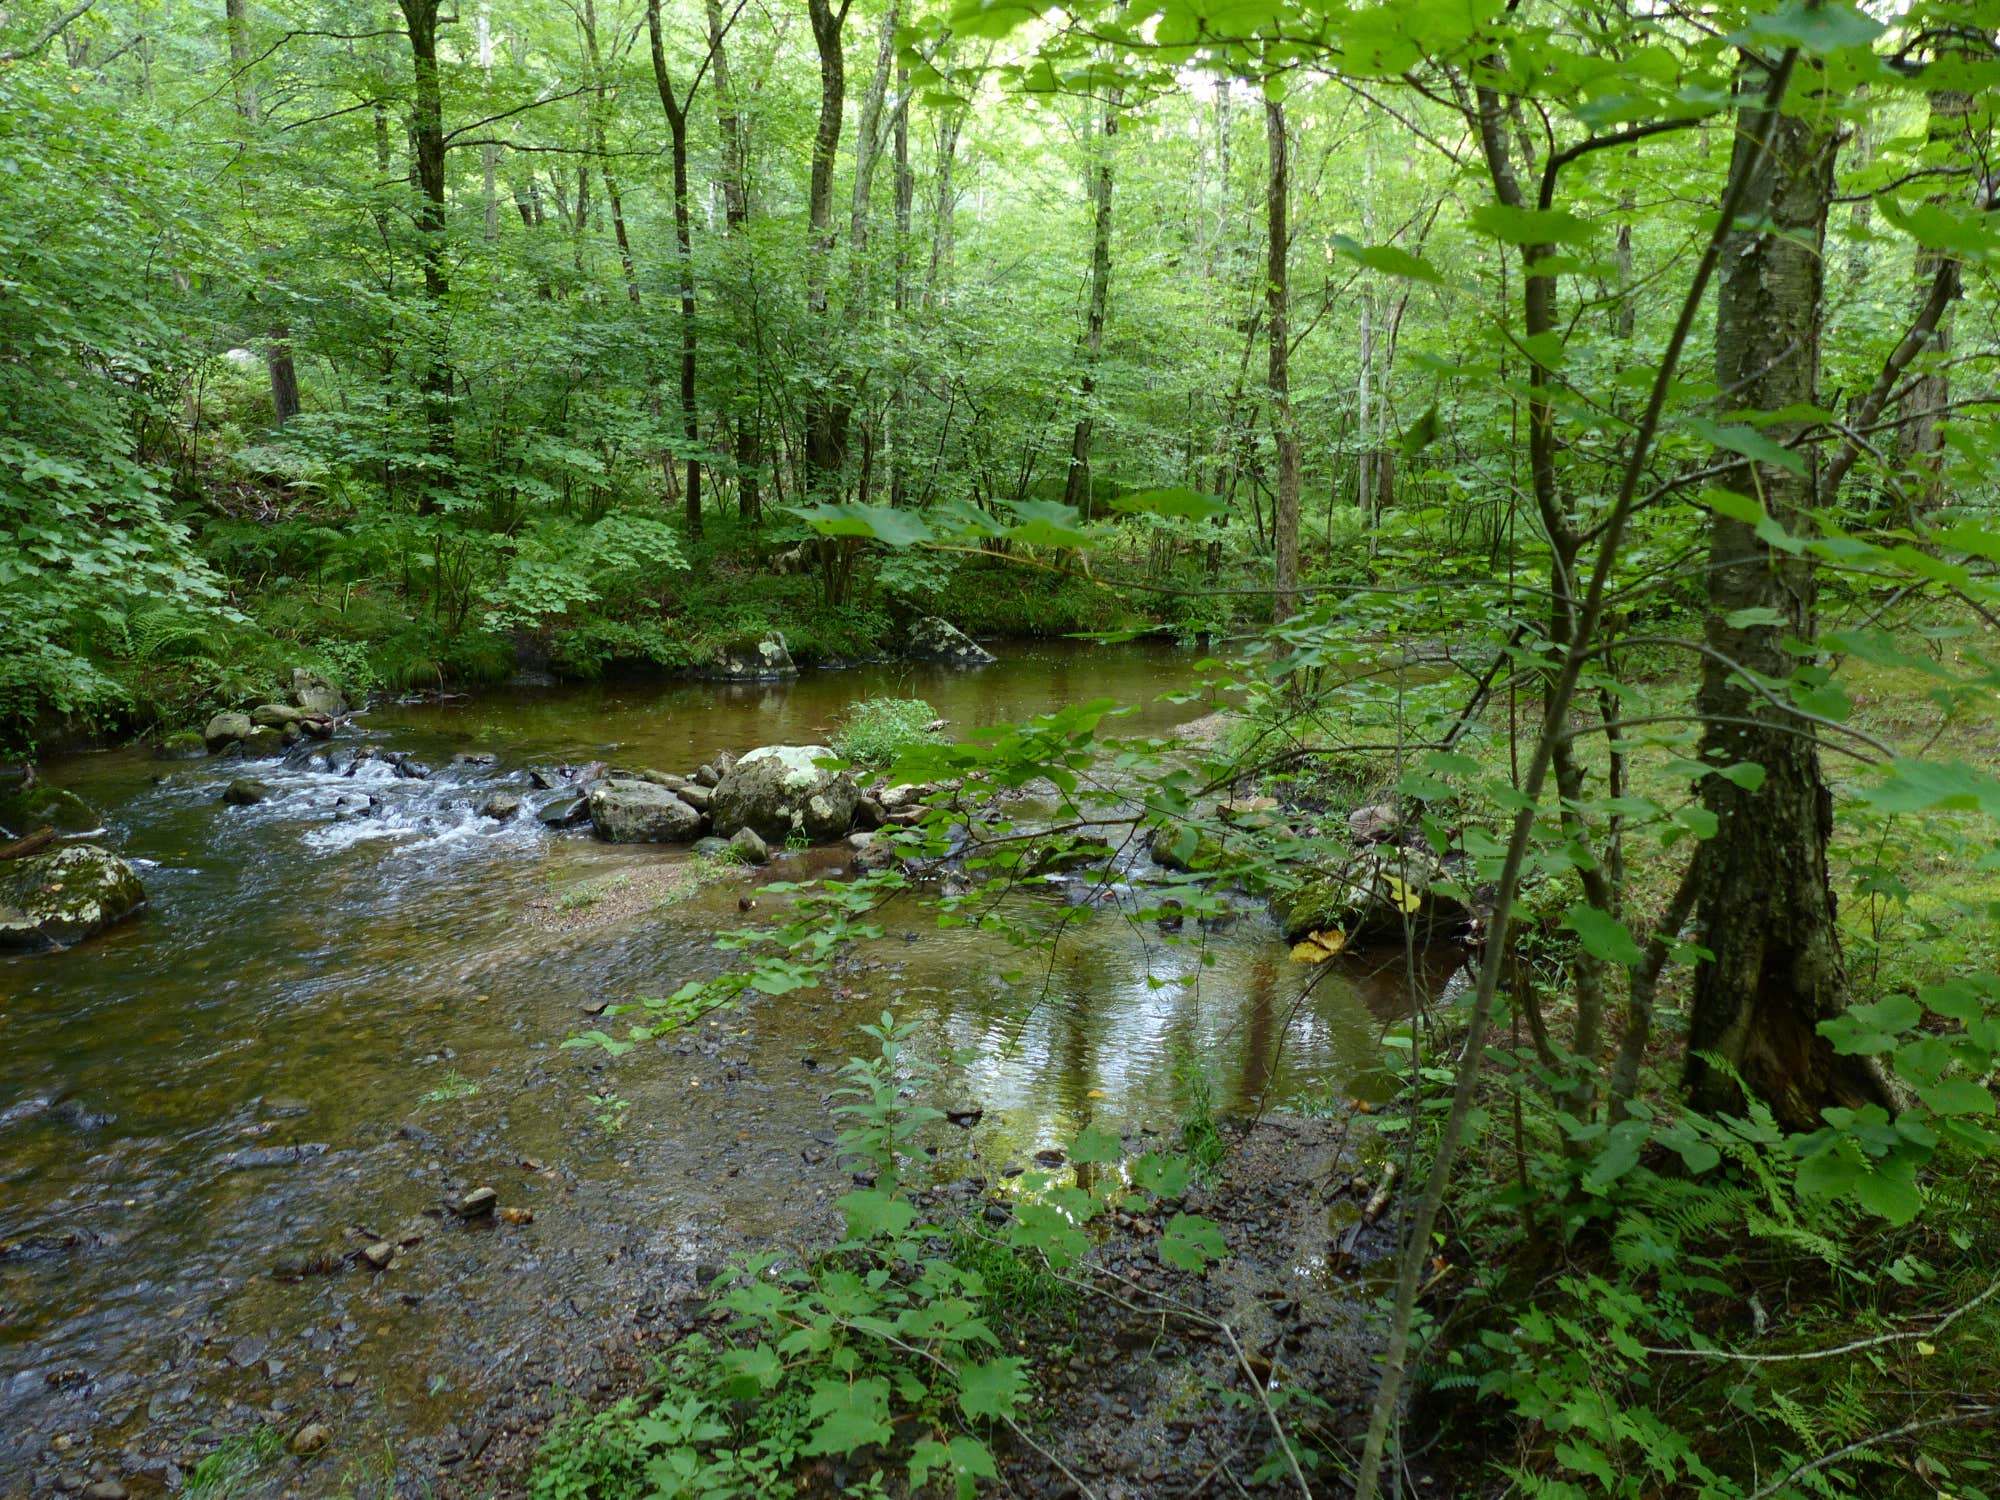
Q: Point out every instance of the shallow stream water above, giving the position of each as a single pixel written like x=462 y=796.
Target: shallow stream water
x=387 y=995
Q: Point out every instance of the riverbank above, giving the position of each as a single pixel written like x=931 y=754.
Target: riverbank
x=170 y=670
x=1144 y=1378
x=349 y=1026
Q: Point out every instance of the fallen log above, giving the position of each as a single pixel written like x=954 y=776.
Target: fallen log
x=33 y=843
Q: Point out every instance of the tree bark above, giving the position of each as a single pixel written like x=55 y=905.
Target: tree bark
x=428 y=148
x=1765 y=907
x=278 y=339
x=906 y=192
x=736 y=210
x=827 y=408
x=1928 y=393
x=677 y=122
x=1077 y=486
x=1284 y=431
x=944 y=207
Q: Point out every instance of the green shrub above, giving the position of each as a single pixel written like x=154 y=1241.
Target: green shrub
x=877 y=730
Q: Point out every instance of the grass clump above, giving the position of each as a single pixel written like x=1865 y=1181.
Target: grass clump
x=877 y=730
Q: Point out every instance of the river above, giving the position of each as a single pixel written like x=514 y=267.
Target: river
x=388 y=995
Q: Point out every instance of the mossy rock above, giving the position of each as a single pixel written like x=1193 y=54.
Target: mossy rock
x=1372 y=898
x=55 y=899
x=1182 y=847
x=1058 y=856
x=47 y=807
x=183 y=744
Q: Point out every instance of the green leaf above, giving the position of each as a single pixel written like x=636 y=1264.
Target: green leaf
x=1890 y=1191
x=1420 y=434
x=1047 y=523
x=1603 y=936
x=1529 y=226
x=1177 y=501
x=1957 y=1096
x=1095 y=1146
x=1817 y=26
x=1391 y=260
x=1191 y=1242
x=1749 y=442
x=1742 y=619
x=850 y=1415
x=872 y=1214
x=992 y=1388
x=893 y=528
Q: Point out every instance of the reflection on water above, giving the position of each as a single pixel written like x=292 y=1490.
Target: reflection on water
x=311 y=969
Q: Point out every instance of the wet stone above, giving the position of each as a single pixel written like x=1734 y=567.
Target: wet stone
x=478 y=1203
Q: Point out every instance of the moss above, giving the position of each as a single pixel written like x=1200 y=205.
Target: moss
x=52 y=900
x=1181 y=846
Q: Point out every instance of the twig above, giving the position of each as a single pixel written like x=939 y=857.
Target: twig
x=48 y=34
x=1908 y=1429
x=1874 y=1343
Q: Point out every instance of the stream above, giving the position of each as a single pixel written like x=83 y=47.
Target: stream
x=324 y=1030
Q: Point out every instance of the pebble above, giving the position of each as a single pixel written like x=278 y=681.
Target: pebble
x=379 y=1254
x=105 y=1489
x=310 y=1438
x=478 y=1203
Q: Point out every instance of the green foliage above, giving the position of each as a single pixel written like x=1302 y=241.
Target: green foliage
x=875 y=731
x=234 y=1466
x=881 y=1350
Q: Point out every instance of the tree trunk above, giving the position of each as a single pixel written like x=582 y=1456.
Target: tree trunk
x=944 y=208
x=827 y=410
x=729 y=124
x=677 y=123
x=906 y=191
x=736 y=208
x=278 y=340
x=1284 y=432
x=1928 y=393
x=427 y=143
x=1765 y=908
x=1077 y=486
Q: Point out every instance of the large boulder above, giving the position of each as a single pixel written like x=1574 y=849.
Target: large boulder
x=316 y=695
x=226 y=729
x=932 y=639
x=754 y=659
x=625 y=811
x=778 y=790
x=55 y=899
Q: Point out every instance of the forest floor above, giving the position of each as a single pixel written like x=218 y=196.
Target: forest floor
x=1151 y=1381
